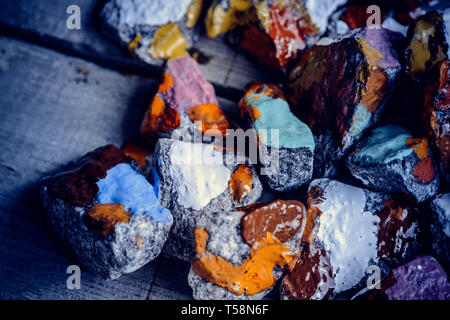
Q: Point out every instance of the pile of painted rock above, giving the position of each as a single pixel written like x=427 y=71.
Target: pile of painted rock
x=348 y=196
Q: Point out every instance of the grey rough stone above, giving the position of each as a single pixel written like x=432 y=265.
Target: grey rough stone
x=181 y=239
x=112 y=255
x=440 y=227
x=225 y=240
x=397 y=175
x=123 y=20
x=294 y=168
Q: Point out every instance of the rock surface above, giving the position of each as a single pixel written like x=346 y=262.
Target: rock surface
x=436 y=114
x=358 y=228
x=192 y=187
x=274 y=32
x=391 y=160
x=311 y=278
x=347 y=81
x=153 y=30
x=250 y=247
x=428 y=42
x=107 y=237
x=440 y=228
x=286 y=144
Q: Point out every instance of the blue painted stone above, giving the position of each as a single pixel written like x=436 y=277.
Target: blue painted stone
x=125 y=186
x=276 y=114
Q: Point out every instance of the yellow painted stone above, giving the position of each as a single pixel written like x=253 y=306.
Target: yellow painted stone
x=193 y=13
x=168 y=42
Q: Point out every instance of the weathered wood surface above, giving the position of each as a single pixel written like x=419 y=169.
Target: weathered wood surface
x=44 y=22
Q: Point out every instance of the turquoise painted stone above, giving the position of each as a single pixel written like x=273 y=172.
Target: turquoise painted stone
x=286 y=144
x=123 y=185
x=276 y=115
x=386 y=143
x=390 y=159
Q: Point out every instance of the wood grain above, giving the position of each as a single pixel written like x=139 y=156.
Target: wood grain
x=44 y=21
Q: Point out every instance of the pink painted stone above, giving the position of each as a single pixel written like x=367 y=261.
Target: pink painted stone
x=189 y=88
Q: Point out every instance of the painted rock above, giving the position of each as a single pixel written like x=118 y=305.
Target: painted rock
x=140 y=154
x=241 y=254
x=280 y=32
x=311 y=278
x=273 y=31
x=347 y=81
x=421 y=279
x=184 y=104
x=194 y=179
x=428 y=42
x=106 y=212
x=440 y=227
x=436 y=114
x=285 y=143
x=395 y=16
x=153 y=30
x=391 y=160
x=358 y=229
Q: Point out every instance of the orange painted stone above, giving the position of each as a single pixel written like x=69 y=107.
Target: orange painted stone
x=102 y=218
x=240 y=183
x=212 y=119
x=136 y=152
x=252 y=276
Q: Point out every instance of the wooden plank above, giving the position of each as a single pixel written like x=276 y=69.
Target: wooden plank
x=44 y=21
x=171 y=280
x=50 y=113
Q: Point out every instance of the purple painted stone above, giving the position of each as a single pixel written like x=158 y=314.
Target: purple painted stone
x=421 y=279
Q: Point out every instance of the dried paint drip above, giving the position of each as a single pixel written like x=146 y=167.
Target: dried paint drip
x=252 y=276
x=240 y=183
